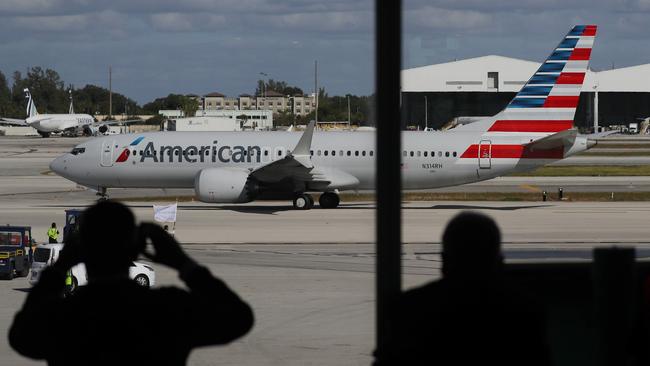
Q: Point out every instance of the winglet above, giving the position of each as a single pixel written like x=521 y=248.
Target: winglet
x=302 y=151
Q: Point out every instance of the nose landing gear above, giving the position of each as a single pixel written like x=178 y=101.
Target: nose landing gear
x=102 y=192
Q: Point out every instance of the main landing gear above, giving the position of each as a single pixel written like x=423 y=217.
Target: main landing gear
x=44 y=134
x=304 y=201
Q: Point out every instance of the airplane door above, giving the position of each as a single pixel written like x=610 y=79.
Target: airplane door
x=485 y=154
x=107 y=153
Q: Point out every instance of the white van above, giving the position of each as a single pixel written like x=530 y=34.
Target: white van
x=46 y=254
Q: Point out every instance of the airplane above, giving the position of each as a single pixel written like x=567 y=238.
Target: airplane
x=71 y=123
x=534 y=129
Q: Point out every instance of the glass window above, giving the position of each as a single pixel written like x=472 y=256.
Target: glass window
x=411 y=153
x=42 y=255
x=439 y=153
x=326 y=152
x=404 y=153
x=363 y=153
x=446 y=153
x=426 y=153
x=372 y=153
x=333 y=152
x=454 y=153
x=349 y=153
x=356 y=153
x=318 y=153
x=419 y=153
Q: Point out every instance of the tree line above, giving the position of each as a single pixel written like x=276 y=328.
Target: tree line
x=51 y=95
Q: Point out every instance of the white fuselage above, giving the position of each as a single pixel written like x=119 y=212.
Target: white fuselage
x=49 y=123
x=173 y=159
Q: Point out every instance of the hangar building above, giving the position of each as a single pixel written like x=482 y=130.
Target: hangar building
x=434 y=95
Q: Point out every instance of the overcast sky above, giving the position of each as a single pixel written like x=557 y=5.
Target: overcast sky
x=159 y=47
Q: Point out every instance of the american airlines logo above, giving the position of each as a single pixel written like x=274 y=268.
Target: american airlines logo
x=203 y=153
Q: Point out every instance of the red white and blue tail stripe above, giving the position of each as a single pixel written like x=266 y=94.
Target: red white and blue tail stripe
x=548 y=101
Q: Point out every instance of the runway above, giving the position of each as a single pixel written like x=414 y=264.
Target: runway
x=309 y=275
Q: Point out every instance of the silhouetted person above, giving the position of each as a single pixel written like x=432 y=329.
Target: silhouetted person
x=471 y=316
x=115 y=321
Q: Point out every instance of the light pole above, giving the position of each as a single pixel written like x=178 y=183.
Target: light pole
x=264 y=86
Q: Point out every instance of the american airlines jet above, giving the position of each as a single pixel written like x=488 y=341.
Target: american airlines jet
x=536 y=128
x=45 y=124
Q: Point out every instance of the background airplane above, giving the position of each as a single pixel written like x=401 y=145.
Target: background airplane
x=536 y=128
x=71 y=123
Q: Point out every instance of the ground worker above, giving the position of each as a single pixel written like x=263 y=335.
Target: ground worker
x=53 y=233
x=68 y=283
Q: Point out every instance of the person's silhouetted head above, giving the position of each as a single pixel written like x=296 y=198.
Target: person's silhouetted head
x=54 y=225
x=471 y=246
x=107 y=235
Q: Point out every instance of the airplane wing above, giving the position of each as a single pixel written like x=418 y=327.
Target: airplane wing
x=13 y=121
x=297 y=166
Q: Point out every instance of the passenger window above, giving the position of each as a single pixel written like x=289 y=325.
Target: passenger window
x=425 y=153
x=363 y=153
x=318 y=153
x=311 y=152
x=454 y=154
x=279 y=152
x=333 y=152
x=439 y=153
x=326 y=152
x=349 y=153
x=419 y=153
x=341 y=152
x=404 y=153
x=266 y=153
x=356 y=153
x=372 y=153
x=135 y=152
x=433 y=154
x=411 y=153
x=447 y=154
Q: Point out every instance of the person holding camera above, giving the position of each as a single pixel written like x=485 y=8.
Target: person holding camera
x=115 y=321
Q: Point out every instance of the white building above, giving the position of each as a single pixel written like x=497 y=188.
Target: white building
x=482 y=86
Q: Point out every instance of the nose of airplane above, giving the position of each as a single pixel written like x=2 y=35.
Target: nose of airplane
x=58 y=165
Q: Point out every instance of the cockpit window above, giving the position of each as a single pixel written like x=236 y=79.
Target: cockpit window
x=78 y=150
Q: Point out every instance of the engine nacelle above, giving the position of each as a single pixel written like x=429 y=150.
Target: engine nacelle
x=103 y=128
x=223 y=185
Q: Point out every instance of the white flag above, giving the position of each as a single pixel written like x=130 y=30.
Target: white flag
x=166 y=213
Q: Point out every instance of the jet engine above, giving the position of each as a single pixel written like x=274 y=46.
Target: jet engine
x=224 y=185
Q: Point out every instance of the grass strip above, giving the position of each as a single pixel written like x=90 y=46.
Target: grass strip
x=458 y=196
x=588 y=171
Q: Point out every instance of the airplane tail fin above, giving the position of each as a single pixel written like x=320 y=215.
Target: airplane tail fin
x=547 y=103
x=31 y=106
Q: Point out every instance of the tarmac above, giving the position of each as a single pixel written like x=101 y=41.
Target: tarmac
x=309 y=275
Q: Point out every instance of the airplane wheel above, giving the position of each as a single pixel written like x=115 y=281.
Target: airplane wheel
x=303 y=202
x=44 y=134
x=329 y=200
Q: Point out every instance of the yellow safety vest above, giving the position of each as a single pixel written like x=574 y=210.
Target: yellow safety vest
x=68 y=278
x=53 y=233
